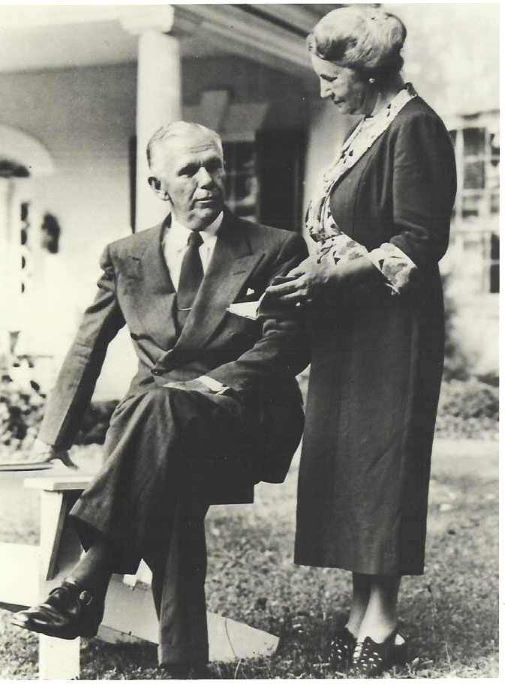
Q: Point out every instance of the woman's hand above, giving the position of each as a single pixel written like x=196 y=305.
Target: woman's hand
x=302 y=284
x=311 y=281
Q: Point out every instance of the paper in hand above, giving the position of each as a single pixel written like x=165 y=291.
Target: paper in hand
x=246 y=309
x=266 y=306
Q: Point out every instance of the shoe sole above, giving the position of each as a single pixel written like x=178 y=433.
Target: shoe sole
x=38 y=629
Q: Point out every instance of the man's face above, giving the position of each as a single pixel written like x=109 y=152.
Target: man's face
x=190 y=173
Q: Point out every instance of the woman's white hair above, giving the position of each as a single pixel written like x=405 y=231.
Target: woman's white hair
x=367 y=39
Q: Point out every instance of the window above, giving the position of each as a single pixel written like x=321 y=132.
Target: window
x=494 y=266
x=478 y=161
x=25 y=256
x=493 y=173
x=477 y=151
x=264 y=177
x=241 y=179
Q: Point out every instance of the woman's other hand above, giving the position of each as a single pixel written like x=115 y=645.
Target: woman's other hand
x=313 y=281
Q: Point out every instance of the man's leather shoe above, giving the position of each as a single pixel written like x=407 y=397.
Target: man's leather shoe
x=70 y=611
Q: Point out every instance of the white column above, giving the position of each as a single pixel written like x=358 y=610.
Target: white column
x=159 y=91
x=7 y=303
x=159 y=101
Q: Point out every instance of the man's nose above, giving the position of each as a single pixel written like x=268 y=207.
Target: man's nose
x=204 y=177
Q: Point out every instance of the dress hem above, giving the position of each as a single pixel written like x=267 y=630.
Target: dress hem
x=342 y=566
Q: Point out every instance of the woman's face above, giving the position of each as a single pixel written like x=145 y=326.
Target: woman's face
x=347 y=90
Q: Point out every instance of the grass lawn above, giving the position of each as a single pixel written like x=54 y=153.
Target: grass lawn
x=450 y=614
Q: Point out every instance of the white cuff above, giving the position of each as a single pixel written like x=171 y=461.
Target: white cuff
x=395 y=266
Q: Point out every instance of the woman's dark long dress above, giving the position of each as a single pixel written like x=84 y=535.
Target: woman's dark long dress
x=377 y=363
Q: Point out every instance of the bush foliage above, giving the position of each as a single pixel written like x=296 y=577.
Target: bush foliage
x=21 y=412
x=468 y=409
x=456 y=364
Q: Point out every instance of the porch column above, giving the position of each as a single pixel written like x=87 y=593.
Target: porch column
x=159 y=95
x=6 y=266
x=159 y=101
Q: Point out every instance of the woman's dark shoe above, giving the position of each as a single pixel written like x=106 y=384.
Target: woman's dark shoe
x=176 y=670
x=341 y=649
x=372 y=659
x=199 y=670
x=70 y=611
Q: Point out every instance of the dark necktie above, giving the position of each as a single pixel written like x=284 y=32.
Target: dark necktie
x=190 y=277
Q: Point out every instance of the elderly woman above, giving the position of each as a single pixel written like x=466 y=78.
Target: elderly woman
x=372 y=292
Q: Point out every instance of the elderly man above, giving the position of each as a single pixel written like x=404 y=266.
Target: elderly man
x=213 y=408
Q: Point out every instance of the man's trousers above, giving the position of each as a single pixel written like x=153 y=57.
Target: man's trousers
x=165 y=449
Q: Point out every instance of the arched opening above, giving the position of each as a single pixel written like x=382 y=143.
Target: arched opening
x=21 y=157
x=12 y=169
x=22 y=150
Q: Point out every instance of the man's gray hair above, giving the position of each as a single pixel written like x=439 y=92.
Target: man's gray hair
x=177 y=129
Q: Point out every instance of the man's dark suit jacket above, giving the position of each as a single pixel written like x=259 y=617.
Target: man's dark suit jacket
x=257 y=359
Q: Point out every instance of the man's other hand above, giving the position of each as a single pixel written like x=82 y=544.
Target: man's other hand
x=47 y=453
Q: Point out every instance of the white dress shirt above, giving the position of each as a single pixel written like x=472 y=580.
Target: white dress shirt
x=175 y=243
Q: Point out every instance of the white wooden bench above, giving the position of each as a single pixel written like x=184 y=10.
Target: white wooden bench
x=129 y=609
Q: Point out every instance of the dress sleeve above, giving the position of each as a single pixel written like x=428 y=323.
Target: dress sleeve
x=424 y=187
x=397 y=268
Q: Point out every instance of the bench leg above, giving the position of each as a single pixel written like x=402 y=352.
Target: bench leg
x=59 y=551
x=58 y=658
x=60 y=548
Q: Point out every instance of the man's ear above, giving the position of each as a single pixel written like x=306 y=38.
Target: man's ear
x=156 y=187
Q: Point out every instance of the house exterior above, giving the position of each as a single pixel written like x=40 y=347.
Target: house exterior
x=452 y=56
x=83 y=87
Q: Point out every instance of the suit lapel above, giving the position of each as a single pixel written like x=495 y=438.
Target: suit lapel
x=148 y=264
x=232 y=262
x=152 y=262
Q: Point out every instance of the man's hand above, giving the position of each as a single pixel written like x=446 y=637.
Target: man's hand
x=47 y=454
x=311 y=281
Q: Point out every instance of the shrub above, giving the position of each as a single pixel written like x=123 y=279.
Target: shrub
x=468 y=409
x=21 y=412
x=456 y=363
